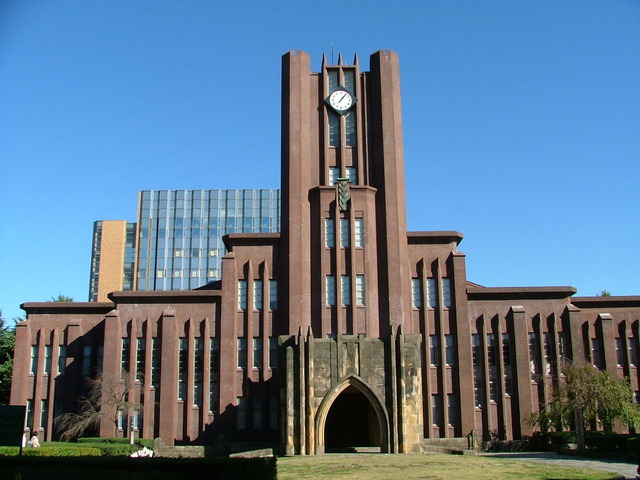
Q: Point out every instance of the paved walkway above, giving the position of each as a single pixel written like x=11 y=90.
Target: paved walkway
x=626 y=469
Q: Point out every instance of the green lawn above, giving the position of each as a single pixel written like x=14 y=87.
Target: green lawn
x=427 y=466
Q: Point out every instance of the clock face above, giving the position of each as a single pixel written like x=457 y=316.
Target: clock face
x=341 y=100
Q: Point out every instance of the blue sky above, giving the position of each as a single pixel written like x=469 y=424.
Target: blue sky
x=521 y=124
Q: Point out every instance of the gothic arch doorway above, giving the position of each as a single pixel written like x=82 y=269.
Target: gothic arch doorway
x=352 y=417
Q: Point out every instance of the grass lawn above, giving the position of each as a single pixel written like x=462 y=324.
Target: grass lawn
x=427 y=466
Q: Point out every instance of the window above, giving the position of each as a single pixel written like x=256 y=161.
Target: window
x=329 y=233
x=350 y=128
x=446 y=292
x=34 y=359
x=562 y=346
x=183 y=361
x=273 y=294
x=345 y=289
x=140 y=356
x=99 y=357
x=434 y=350
x=431 y=293
x=352 y=175
x=214 y=360
x=506 y=360
x=47 y=359
x=155 y=362
x=436 y=409
x=257 y=352
x=62 y=359
x=124 y=358
x=273 y=352
x=534 y=363
x=330 y=285
x=448 y=349
x=549 y=361
x=242 y=352
x=30 y=414
x=257 y=294
x=242 y=294
x=596 y=358
x=86 y=359
x=257 y=413
x=620 y=352
x=241 y=413
x=178 y=252
x=633 y=351
x=198 y=372
x=344 y=233
x=452 y=410
x=334 y=130
x=334 y=174
x=273 y=413
x=478 y=391
x=360 y=290
x=359 y=232
x=44 y=413
x=416 y=294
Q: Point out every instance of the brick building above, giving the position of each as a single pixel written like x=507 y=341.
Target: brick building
x=343 y=330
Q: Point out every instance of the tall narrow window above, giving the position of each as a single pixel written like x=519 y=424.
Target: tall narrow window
x=549 y=361
x=30 y=414
x=214 y=360
x=506 y=361
x=257 y=352
x=273 y=352
x=446 y=292
x=562 y=346
x=352 y=175
x=241 y=413
x=344 y=233
x=329 y=233
x=155 y=362
x=334 y=130
x=198 y=374
x=350 y=128
x=452 y=409
x=44 y=414
x=534 y=362
x=596 y=358
x=477 y=371
x=99 y=357
x=448 y=349
x=360 y=290
x=432 y=293
x=34 y=359
x=242 y=352
x=141 y=356
x=124 y=357
x=183 y=361
x=256 y=407
x=330 y=290
x=345 y=289
x=434 y=349
x=334 y=174
x=436 y=409
x=493 y=369
x=633 y=351
x=273 y=294
x=416 y=293
x=257 y=294
x=358 y=236
x=273 y=413
x=47 y=359
x=86 y=359
x=620 y=352
x=242 y=294
x=62 y=359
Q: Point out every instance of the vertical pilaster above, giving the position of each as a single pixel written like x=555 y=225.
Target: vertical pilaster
x=111 y=368
x=607 y=342
x=576 y=342
x=518 y=331
x=169 y=376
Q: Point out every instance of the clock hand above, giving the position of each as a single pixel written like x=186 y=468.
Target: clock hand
x=342 y=98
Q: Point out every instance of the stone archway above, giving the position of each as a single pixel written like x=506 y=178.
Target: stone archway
x=351 y=415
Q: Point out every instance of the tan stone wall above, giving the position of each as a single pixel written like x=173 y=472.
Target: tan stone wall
x=111 y=257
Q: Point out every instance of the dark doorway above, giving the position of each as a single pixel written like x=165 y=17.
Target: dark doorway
x=352 y=424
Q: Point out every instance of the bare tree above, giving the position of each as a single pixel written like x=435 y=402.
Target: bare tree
x=107 y=397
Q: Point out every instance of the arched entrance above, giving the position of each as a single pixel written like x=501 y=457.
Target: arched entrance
x=352 y=417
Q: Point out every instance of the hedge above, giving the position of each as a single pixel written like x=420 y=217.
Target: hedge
x=125 y=468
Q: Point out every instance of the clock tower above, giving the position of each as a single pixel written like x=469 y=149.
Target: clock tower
x=344 y=260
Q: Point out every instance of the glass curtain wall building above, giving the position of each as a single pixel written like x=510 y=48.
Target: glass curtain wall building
x=180 y=232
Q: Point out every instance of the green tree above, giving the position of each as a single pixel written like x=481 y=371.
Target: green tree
x=61 y=298
x=588 y=396
x=604 y=293
x=7 y=345
x=106 y=397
